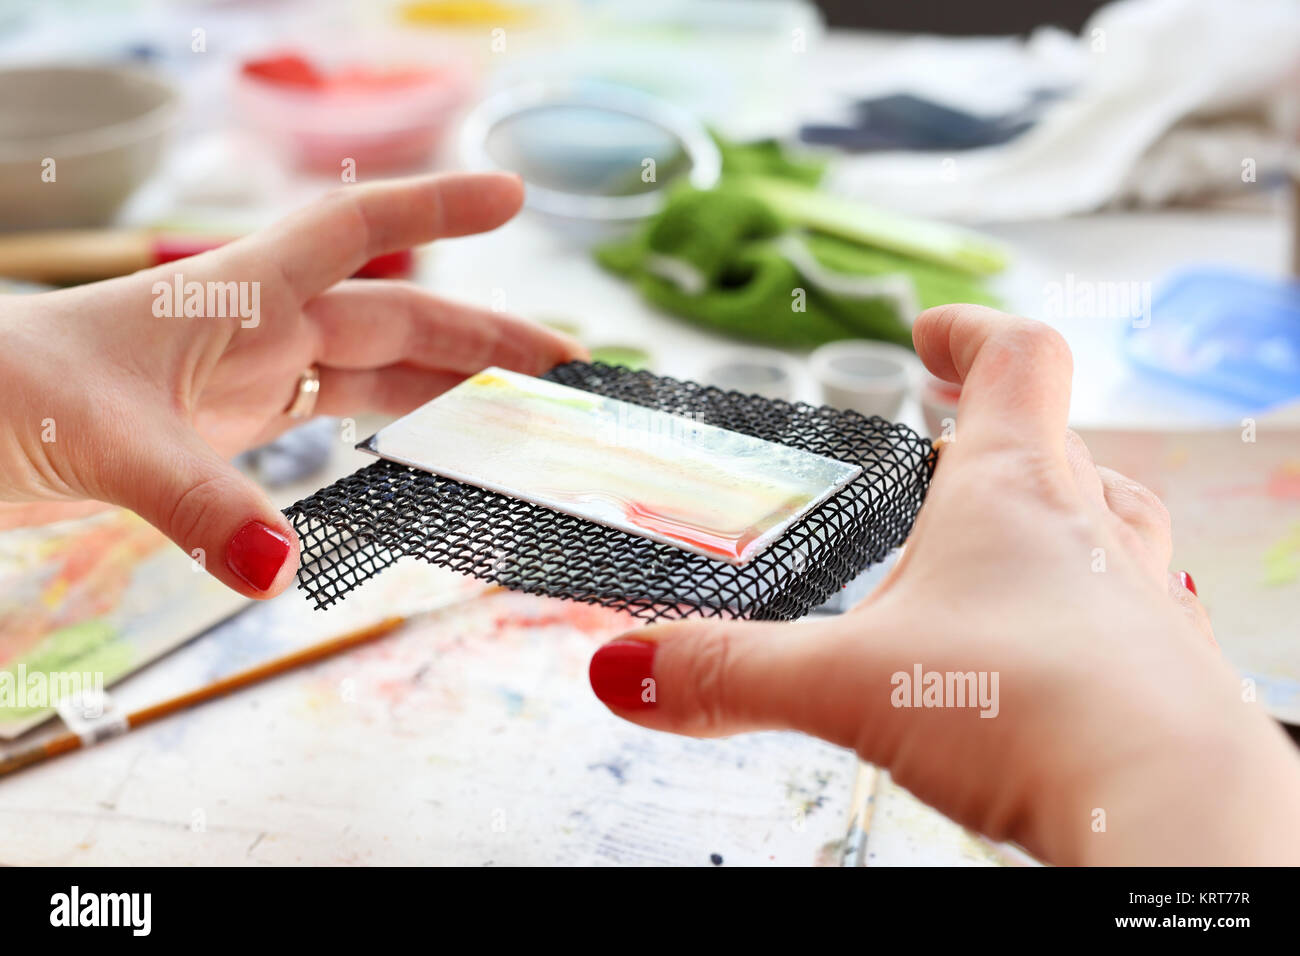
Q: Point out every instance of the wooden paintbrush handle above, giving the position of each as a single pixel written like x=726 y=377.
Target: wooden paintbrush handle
x=74 y=255
x=261 y=672
x=62 y=744
x=280 y=665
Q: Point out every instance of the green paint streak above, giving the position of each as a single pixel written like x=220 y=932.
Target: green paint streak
x=628 y=356
x=1282 y=561
x=88 y=647
x=513 y=392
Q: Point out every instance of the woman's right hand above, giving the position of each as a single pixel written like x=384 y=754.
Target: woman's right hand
x=1117 y=733
x=108 y=397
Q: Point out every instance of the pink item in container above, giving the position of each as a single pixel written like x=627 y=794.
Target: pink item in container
x=382 y=119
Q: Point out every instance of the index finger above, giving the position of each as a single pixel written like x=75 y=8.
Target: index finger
x=1015 y=373
x=333 y=237
x=373 y=323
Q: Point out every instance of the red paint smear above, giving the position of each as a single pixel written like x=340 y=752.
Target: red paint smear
x=296 y=71
x=169 y=248
x=1282 y=485
x=732 y=546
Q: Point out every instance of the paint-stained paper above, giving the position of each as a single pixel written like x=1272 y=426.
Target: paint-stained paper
x=663 y=477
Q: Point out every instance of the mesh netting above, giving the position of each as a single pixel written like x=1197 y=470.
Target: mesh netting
x=356 y=527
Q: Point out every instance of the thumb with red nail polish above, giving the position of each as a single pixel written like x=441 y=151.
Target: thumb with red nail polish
x=622 y=674
x=214 y=513
x=712 y=678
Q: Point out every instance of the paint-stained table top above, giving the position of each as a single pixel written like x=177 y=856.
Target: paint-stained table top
x=469 y=737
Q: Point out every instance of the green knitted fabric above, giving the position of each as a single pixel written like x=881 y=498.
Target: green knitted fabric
x=767 y=157
x=727 y=239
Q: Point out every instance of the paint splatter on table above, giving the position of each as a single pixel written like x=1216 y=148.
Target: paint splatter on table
x=1234 y=498
x=469 y=737
x=101 y=596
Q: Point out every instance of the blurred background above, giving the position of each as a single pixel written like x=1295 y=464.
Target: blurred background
x=1124 y=171
x=756 y=194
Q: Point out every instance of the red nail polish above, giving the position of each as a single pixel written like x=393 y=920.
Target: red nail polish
x=257 y=553
x=1187 y=582
x=622 y=674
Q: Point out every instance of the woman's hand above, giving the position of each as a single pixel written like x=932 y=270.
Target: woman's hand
x=103 y=398
x=1114 y=733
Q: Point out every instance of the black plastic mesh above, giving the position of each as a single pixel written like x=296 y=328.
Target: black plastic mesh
x=356 y=527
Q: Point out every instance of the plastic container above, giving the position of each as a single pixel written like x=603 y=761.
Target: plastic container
x=764 y=372
x=1224 y=333
x=319 y=113
x=868 y=377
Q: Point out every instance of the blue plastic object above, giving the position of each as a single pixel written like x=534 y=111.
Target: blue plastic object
x=1226 y=333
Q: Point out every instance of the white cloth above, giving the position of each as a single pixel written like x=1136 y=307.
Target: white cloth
x=1140 y=67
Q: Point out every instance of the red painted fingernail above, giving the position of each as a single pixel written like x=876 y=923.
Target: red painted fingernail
x=622 y=674
x=1187 y=582
x=257 y=553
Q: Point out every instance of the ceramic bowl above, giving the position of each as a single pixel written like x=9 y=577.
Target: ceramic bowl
x=76 y=141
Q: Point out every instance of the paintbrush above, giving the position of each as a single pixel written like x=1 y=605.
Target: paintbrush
x=68 y=742
x=68 y=256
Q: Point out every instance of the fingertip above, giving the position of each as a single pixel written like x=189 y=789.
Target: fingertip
x=263 y=557
x=288 y=574
x=930 y=334
x=621 y=674
x=1015 y=372
x=934 y=340
x=449 y=205
x=509 y=195
x=572 y=350
x=549 y=347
